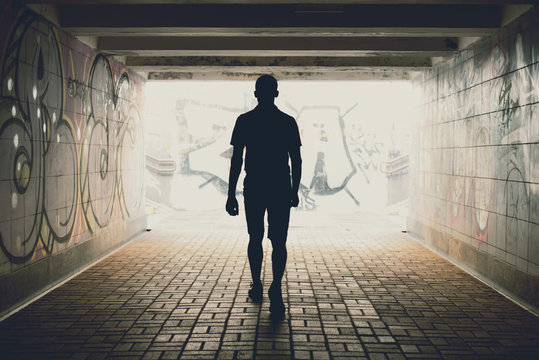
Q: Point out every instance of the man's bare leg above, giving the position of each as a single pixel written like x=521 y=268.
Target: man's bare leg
x=255 y=253
x=278 y=263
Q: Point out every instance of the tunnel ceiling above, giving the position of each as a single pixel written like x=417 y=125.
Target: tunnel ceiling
x=339 y=39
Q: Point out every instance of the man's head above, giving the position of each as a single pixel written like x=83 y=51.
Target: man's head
x=266 y=89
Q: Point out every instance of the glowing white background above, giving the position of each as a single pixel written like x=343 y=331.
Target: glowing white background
x=383 y=111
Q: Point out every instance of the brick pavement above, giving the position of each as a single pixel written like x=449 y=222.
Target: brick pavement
x=355 y=288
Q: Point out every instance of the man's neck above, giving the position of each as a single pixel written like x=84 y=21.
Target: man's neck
x=266 y=104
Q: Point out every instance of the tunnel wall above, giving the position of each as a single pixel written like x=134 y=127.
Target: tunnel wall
x=71 y=155
x=475 y=173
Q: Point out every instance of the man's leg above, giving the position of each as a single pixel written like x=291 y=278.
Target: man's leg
x=255 y=253
x=278 y=218
x=278 y=264
x=278 y=260
x=254 y=214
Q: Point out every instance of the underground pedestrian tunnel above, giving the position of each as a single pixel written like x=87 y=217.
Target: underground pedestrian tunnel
x=417 y=234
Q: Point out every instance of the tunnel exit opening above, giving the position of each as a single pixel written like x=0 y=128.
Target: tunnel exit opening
x=355 y=142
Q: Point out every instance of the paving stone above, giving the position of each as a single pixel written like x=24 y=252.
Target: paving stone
x=355 y=288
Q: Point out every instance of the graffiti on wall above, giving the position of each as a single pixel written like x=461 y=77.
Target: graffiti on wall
x=71 y=141
x=32 y=96
x=506 y=124
x=110 y=147
x=485 y=101
x=332 y=153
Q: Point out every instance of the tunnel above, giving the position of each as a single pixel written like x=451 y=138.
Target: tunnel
x=416 y=228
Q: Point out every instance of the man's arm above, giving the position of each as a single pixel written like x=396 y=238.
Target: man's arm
x=235 y=169
x=295 y=158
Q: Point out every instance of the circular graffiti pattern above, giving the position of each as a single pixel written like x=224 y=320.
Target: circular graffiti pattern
x=112 y=152
x=31 y=102
x=516 y=201
x=98 y=178
x=19 y=236
x=483 y=185
x=41 y=161
x=61 y=186
x=22 y=170
x=131 y=152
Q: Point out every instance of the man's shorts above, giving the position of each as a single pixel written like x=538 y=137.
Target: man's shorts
x=276 y=202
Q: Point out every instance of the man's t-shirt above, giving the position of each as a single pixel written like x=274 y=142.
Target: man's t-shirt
x=268 y=135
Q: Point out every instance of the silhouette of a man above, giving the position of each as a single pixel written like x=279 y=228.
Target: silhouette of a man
x=270 y=138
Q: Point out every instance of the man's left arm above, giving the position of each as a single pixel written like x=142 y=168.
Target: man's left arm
x=236 y=162
x=295 y=159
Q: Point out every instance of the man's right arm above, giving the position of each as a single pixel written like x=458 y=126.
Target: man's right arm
x=235 y=169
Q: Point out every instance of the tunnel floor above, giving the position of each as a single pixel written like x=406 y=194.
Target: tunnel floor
x=355 y=287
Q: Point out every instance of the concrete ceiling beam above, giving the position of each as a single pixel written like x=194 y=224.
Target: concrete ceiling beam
x=294 y=39
x=276 y=46
x=225 y=63
x=333 y=74
x=268 y=69
x=511 y=12
x=285 y=32
x=279 y=16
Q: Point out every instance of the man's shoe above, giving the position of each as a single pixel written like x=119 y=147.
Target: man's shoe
x=277 y=308
x=255 y=292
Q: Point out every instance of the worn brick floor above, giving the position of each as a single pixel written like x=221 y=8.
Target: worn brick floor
x=356 y=287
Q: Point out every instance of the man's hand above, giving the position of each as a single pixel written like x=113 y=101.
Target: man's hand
x=294 y=199
x=232 y=207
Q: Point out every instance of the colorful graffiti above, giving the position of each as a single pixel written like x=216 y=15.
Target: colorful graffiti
x=72 y=145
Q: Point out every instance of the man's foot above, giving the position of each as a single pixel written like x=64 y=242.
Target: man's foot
x=277 y=308
x=255 y=292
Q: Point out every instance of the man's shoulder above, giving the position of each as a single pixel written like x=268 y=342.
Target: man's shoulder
x=285 y=115
x=247 y=114
x=257 y=113
x=289 y=120
x=243 y=119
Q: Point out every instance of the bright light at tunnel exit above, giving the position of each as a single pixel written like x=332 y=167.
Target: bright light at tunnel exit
x=355 y=135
